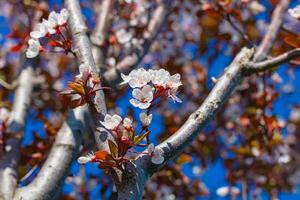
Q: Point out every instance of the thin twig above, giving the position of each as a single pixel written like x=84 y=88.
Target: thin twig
x=100 y=35
x=131 y=61
x=269 y=38
x=9 y=86
x=243 y=35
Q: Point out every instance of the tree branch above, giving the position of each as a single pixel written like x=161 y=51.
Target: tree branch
x=84 y=56
x=54 y=171
x=231 y=78
x=131 y=61
x=269 y=38
x=100 y=34
x=274 y=62
x=10 y=160
x=242 y=66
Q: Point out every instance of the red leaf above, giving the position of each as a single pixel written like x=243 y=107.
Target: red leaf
x=104 y=165
x=101 y=155
x=54 y=43
x=17 y=47
x=292 y=40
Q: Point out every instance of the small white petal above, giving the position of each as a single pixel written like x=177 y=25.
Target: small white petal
x=147 y=93
x=83 y=159
x=36 y=34
x=127 y=122
x=150 y=148
x=157 y=156
x=125 y=78
x=157 y=160
x=139 y=104
x=63 y=17
x=137 y=78
x=111 y=122
x=295 y=12
x=225 y=190
x=145 y=119
x=137 y=93
x=31 y=54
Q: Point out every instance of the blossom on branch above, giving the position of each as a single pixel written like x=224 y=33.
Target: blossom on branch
x=156 y=154
x=111 y=122
x=34 y=48
x=151 y=84
x=48 y=27
x=142 y=97
x=82 y=90
x=86 y=159
x=136 y=78
x=55 y=20
x=295 y=12
x=145 y=119
x=41 y=31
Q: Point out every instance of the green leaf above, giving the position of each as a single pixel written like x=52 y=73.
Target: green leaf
x=137 y=139
x=77 y=87
x=113 y=149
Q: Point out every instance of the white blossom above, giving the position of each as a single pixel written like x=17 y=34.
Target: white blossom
x=160 y=77
x=283 y=159
x=49 y=26
x=256 y=7
x=295 y=12
x=111 y=122
x=40 y=32
x=142 y=97
x=63 y=17
x=136 y=78
x=127 y=122
x=226 y=190
x=145 y=119
x=156 y=154
x=123 y=36
x=85 y=159
x=173 y=84
x=174 y=81
x=33 y=49
x=4 y=114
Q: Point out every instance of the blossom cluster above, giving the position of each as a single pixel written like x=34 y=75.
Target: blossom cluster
x=149 y=85
x=125 y=138
x=83 y=89
x=46 y=29
x=122 y=129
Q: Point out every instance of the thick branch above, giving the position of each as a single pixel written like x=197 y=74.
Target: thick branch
x=231 y=78
x=10 y=160
x=269 y=38
x=56 y=168
x=241 y=67
x=131 y=61
x=100 y=34
x=273 y=62
x=133 y=181
x=83 y=49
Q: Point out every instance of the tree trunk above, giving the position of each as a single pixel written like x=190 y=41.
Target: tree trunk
x=132 y=182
